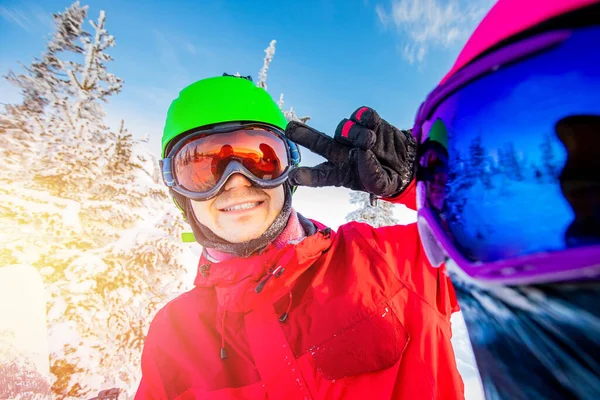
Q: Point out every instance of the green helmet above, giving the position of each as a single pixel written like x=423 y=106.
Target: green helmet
x=218 y=100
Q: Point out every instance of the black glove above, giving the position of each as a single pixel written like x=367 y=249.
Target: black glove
x=367 y=154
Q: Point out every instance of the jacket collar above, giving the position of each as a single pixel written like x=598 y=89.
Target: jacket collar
x=236 y=280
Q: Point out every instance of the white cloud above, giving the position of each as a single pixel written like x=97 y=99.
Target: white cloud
x=191 y=48
x=28 y=17
x=413 y=52
x=175 y=51
x=382 y=15
x=425 y=24
x=169 y=56
x=16 y=16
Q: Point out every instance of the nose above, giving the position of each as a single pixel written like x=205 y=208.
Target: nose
x=236 y=181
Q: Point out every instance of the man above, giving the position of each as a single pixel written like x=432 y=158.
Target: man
x=285 y=308
x=515 y=126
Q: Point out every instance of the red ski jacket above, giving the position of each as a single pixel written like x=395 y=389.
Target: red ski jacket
x=357 y=314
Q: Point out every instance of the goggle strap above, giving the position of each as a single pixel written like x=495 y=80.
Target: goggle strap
x=167 y=172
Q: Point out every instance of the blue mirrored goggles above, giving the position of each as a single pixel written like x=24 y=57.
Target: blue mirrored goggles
x=508 y=171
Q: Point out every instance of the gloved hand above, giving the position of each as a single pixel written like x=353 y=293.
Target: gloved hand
x=367 y=153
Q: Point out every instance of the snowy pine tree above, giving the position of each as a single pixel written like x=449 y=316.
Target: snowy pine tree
x=459 y=183
x=290 y=114
x=510 y=162
x=480 y=164
x=262 y=74
x=60 y=109
x=89 y=211
x=381 y=214
x=110 y=292
x=550 y=163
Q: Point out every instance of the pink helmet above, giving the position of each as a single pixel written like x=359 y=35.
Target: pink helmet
x=508 y=18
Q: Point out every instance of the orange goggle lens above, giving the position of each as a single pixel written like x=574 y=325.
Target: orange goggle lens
x=199 y=164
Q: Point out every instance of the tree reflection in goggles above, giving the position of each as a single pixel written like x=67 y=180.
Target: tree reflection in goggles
x=200 y=163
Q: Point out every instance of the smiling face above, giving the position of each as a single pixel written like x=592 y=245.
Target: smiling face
x=241 y=212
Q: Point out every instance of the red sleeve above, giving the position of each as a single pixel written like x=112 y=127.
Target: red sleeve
x=400 y=245
x=408 y=197
x=433 y=283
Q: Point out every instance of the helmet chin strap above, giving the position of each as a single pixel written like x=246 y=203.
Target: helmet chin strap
x=208 y=239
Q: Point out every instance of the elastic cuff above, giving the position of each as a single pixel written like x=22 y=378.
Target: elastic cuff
x=408 y=196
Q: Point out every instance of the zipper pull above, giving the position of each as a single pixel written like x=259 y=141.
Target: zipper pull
x=224 y=354
x=275 y=273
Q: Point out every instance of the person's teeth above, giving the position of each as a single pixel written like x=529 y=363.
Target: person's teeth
x=243 y=206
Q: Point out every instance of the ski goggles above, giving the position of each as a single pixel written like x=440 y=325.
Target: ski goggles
x=508 y=170
x=198 y=166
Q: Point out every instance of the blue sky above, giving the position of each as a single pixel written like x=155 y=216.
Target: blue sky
x=332 y=56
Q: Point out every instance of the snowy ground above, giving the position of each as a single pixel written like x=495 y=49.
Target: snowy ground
x=465 y=359
x=23 y=314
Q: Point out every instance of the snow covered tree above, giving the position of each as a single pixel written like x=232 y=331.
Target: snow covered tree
x=16 y=144
x=61 y=108
x=510 y=163
x=480 y=164
x=290 y=114
x=89 y=211
x=550 y=163
x=262 y=74
x=476 y=156
x=132 y=265
x=459 y=185
x=381 y=214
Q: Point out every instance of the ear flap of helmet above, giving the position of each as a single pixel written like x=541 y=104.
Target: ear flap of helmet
x=179 y=201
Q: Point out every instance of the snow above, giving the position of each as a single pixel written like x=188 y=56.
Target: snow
x=23 y=311
x=262 y=74
x=465 y=359
x=380 y=214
